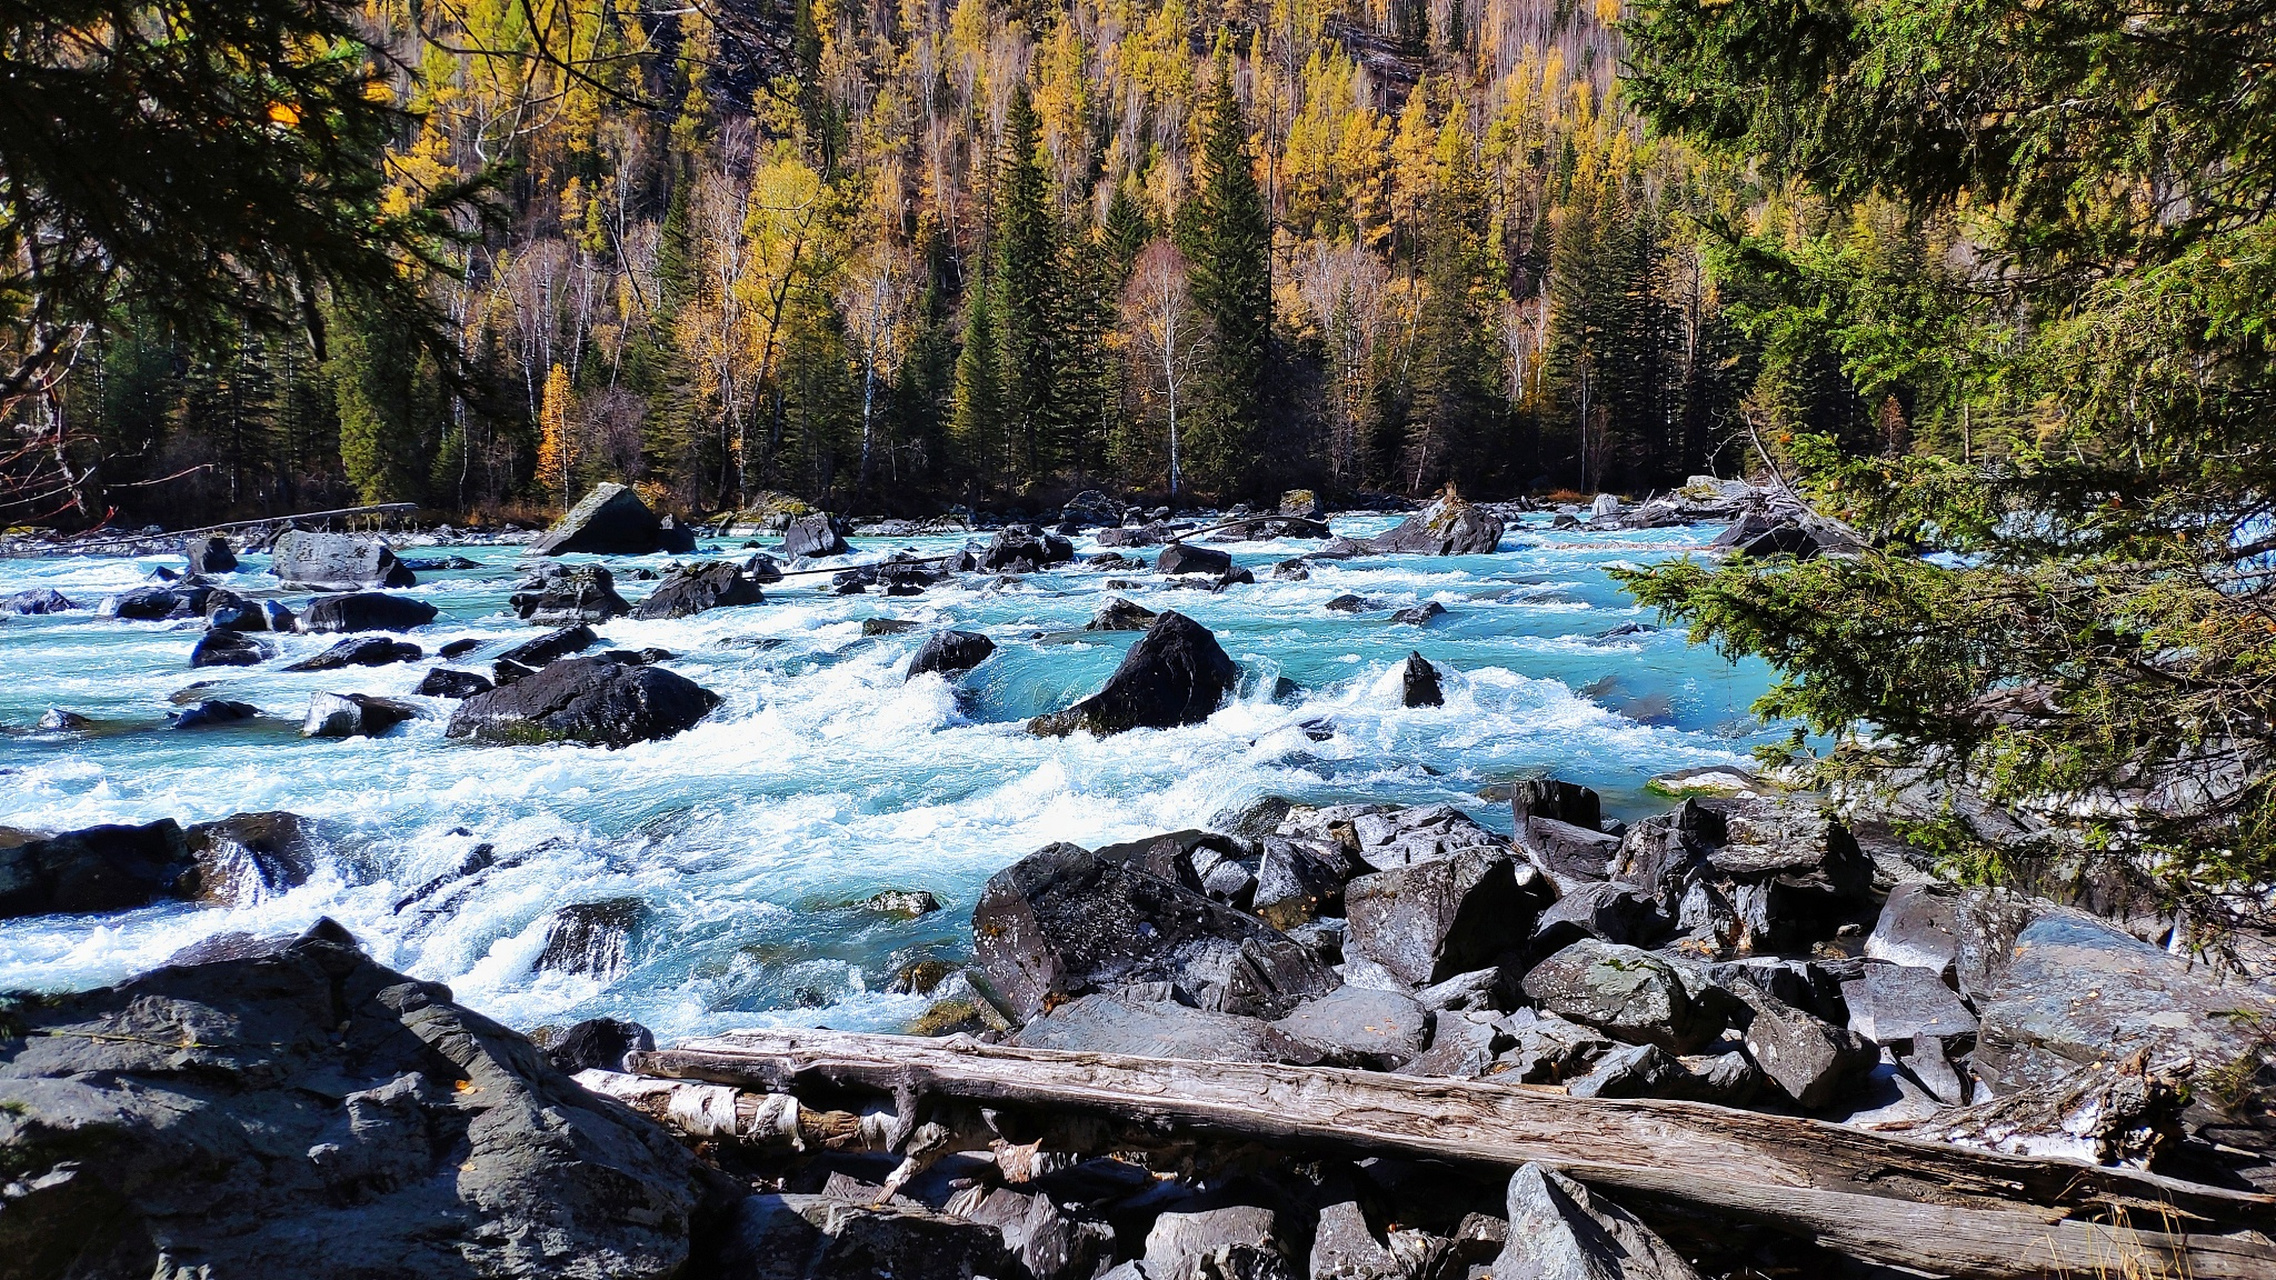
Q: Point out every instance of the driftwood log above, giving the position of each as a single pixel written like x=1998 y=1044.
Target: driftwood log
x=1930 y=1206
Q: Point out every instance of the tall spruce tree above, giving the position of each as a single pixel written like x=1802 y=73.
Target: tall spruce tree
x=1026 y=290
x=976 y=419
x=1229 y=239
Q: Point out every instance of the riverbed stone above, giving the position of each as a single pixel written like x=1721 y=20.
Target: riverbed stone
x=1612 y=912
x=223 y=648
x=1025 y=549
x=1175 y=674
x=687 y=590
x=336 y=562
x=1179 y=557
x=1418 y=683
x=1893 y=1004
x=1118 y=614
x=596 y=701
x=225 y=1115
x=361 y=651
x=365 y=611
x=1560 y=1230
x=1623 y=991
x=1363 y=1027
x=1421 y=615
x=449 y=682
x=813 y=536
x=1065 y=922
x=1191 y=1245
x=210 y=555
x=1115 y=1023
x=597 y=1044
x=1803 y=1054
x=609 y=520
x=36 y=601
x=208 y=712
x=1411 y=926
x=950 y=652
x=566 y=595
x=791 y=1236
x=353 y=715
x=575 y=638
x=155 y=604
x=113 y=867
x=1449 y=526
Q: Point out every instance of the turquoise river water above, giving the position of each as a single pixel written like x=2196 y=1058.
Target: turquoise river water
x=823 y=777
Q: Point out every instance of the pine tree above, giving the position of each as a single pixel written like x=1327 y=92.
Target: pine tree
x=977 y=420
x=1026 y=289
x=1231 y=242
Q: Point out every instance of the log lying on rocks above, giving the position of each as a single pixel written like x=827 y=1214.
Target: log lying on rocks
x=1937 y=1208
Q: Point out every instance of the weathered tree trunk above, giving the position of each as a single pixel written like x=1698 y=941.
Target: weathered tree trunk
x=1938 y=1208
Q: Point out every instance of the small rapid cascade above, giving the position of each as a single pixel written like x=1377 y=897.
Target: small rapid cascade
x=721 y=878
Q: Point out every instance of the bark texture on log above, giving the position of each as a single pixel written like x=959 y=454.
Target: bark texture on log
x=1927 y=1205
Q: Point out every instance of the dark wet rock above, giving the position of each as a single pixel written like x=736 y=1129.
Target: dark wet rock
x=1065 y=922
x=792 y=1236
x=366 y=611
x=949 y=652
x=1556 y=800
x=229 y=612
x=1421 y=615
x=459 y=648
x=1787 y=539
x=874 y=627
x=598 y=1043
x=1025 y=549
x=103 y=868
x=1447 y=527
x=353 y=715
x=1360 y=1027
x=213 y=711
x=1560 y=1229
x=674 y=538
x=1179 y=557
x=1147 y=535
x=248 y=856
x=1113 y=563
x=1894 y=1004
x=1623 y=991
x=210 y=555
x=1118 y=614
x=588 y=938
x=1236 y=577
x=154 y=604
x=234 y=1112
x=691 y=589
x=1418 y=683
x=1113 y=1023
x=446 y=682
x=40 y=600
x=440 y=564
x=1299 y=881
x=1611 y=912
x=228 y=649
x=1419 y=924
x=59 y=720
x=506 y=671
x=566 y=595
x=553 y=644
x=2072 y=989
x=361 y=651
x=1175 y=674
x=595 y=701
x=1803 y=1054
x=1349 y=603
x=1744 y=530
x=610 y=520
x=1291 y=571
x=336 y=562
x=814 y=536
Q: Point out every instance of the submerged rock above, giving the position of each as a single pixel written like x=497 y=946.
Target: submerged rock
x=236 y=1111
x=949 y=652
x=228 y=649
x=366 y=611
x=447 y=682
x=353 y=715
x=588 y=938
x=1418 y=682
x=40 y=600
x=212 y=711
x=1118 y=614
x=536 y=653
x=1065 y=922
x=336 y=562
x=595 y=701
x=1175 y=674
x=361 y=651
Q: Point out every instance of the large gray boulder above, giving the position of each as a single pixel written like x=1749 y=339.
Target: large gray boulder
x=1560 y=1230
x=692 y=589
x=813 y=535
x=1624 y=992
x=358 y=651
x=1065 y=922
x=1360 y=1027
x=1188 y=1246
x=118 y=867
x=595 y=701
x=1415 y=925
x=1803 y=1054
x=209 y=554
x=1161 y=1029
x=336 y=562
x=1175 y=674
x=225 y=648
x=949 y=652
x=366 y=611
x=1896 y=1004
x=353 y=715
x=297 y=1109
x=1179 y=557
x=1418 y=682
x=1449 y=526
x=610 y=520
x=567 y=595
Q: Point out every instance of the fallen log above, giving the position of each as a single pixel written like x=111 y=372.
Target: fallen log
x=1931 y=1206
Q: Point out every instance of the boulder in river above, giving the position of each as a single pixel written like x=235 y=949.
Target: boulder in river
x=37 y=600
x=153 y=604
x=814 y=535
x=1180 y=557
x=1066 y=922
x=353 y=715
x=600 y=1043
x=235 y=1115
x=208 y=712
x=565 y=595
x=1175 y=674
x=336 y=562
x=597 y=701
x=1420 y=615
x=228 y=612
x=1449 y=526
x=1418 y=682
x=448 y=682
x=1118 y=614
x=210 y=555
x=118 y=867
x=589 y=938
x=611 y=520
x=366 y=611
x=361 y=651
x=949 y=652
x=224 y=648
x=1025 y=549
x=691 y=589
x=575 y=638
